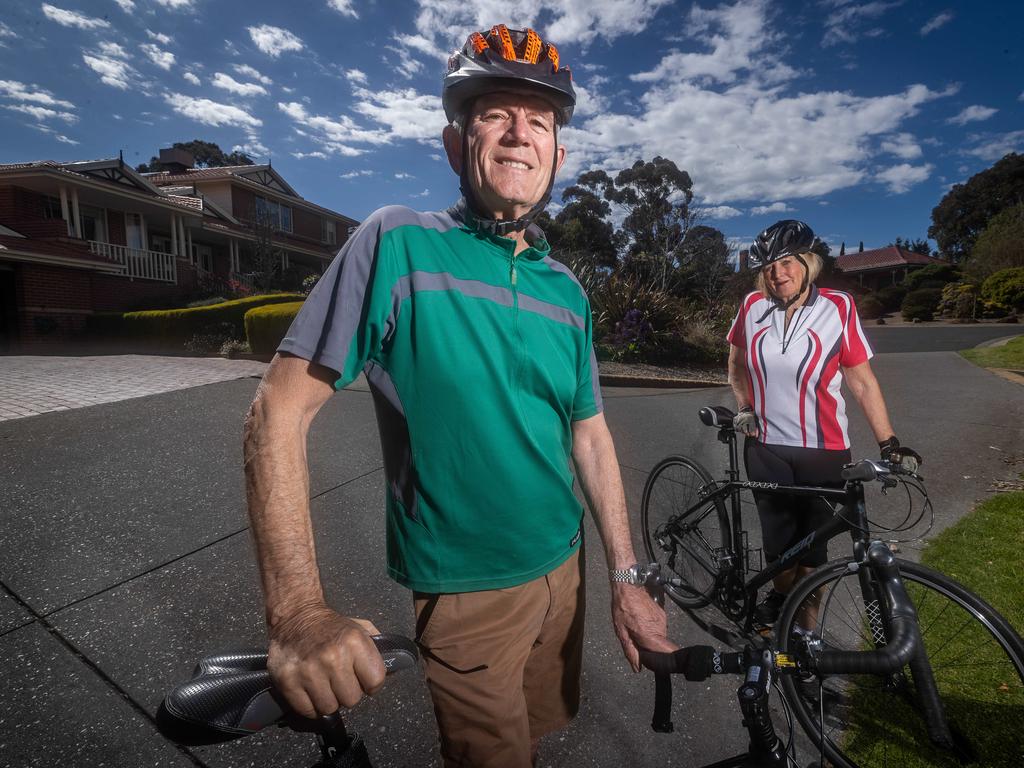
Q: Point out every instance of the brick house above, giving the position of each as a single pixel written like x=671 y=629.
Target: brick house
x=84 y=237
x=880 y=267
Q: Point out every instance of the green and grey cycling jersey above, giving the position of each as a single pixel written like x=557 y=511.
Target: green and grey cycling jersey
x=478 y=361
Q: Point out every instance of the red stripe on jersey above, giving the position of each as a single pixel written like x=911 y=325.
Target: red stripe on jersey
x=828 y=418
x=760 y=380
x=737 y=334
x=855 y=348
x=807 y=378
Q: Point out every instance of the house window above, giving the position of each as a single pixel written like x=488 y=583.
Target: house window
x=328 y=233
x=160 y=244
x=52 y=208
x=202 y=256
x=94 y=223
x=279 y=216
x=133 y=230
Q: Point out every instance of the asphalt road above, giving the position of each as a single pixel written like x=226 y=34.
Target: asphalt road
x=124 y=557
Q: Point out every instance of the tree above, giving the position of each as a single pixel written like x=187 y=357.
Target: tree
x=581 y=232
x=914 y=246
x=861 y=249
x=656 y=196
x=842 y=249
x=1000 y=246
x=206 y=155
x=705 y=268
x=962 y=215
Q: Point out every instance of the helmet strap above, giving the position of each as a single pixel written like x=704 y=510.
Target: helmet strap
x=502 y=227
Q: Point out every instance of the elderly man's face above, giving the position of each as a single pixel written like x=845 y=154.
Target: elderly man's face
x=510 y=142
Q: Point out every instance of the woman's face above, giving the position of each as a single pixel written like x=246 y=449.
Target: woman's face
x=784 y=278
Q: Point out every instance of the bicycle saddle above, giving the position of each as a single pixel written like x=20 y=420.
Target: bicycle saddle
x=717 y=416
x=230 y=694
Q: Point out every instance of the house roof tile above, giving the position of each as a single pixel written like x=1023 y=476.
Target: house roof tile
x=882 y=258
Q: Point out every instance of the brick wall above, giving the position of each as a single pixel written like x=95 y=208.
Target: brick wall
x=115 y=227
x=306 y=224
x=53 y=303
x=22 y=211
x=243 y=204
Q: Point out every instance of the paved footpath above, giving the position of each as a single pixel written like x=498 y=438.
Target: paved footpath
x=30 y=385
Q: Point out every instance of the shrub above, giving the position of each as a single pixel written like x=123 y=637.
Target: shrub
x=175 y=326
x=1000 y=246
x=1004 y=290
x=206 y=302
x=232 y=349
x=870 y=307
x=932 y=276
x=210 y=339
x=960 y=301
x=309 y=283
x=921 y=304
x=891 y=296
x=266 y=326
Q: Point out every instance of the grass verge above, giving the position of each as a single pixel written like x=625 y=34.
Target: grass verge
x=982 y=694
x=1009 y=355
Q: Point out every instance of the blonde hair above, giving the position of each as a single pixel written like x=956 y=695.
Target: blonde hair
x=810 y=258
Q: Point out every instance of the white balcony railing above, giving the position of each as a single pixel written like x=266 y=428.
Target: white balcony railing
x=146 y=265
x=245 y=280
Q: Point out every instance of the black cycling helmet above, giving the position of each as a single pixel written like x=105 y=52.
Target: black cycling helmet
x=516 y=59
x=506 y=60
x=788 y=237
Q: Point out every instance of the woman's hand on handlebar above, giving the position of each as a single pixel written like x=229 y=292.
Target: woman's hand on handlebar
x=321 y=661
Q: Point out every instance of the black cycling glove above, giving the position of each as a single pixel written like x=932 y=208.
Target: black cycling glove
x=908 y=459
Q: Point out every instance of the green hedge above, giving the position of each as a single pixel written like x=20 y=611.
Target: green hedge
x=921 y=304
x=266 y=326
x=870 y=307
x=180 y=325
x=1005 y=289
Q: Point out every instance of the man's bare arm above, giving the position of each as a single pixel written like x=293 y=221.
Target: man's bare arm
x=318 y=659
x=639 y=622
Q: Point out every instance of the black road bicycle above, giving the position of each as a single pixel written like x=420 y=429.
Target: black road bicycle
x=898 y=664
x=230 y=696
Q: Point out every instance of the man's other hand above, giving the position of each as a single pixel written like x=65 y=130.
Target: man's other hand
x=321 y=661
x=639 y=623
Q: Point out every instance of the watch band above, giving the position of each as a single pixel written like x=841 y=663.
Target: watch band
x=629 y=575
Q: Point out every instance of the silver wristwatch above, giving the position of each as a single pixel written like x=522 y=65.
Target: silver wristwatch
x=635 y=574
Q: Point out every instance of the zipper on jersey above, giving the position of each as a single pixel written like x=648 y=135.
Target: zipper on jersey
x=513 y=277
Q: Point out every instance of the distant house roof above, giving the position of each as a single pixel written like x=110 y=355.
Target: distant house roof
x=883 y=258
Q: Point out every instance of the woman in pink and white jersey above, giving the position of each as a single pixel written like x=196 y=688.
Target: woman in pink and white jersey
x=792 y=344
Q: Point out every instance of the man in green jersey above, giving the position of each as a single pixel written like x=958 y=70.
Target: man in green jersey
x=478 y=351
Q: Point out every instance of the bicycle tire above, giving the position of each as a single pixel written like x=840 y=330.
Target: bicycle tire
x=689 y=547
x=976 y=658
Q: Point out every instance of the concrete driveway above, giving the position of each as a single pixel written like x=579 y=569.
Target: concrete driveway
x=124 y=556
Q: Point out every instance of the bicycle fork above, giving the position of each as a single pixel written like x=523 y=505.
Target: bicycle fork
x=896 y=635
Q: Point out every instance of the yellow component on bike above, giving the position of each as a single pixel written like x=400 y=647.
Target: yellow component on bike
x=784 y=661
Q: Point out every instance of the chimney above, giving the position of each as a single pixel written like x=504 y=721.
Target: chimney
x=176 y=160
x=744 y=260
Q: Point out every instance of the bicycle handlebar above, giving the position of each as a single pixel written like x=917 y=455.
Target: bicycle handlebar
x=230 y=694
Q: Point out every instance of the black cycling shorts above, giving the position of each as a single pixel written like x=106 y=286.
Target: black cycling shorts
x=785 y=519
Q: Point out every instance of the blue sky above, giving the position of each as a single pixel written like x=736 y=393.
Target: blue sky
x=854 y=116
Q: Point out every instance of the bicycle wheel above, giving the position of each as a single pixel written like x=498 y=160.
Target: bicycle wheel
x=687 y=537
x=873 y=720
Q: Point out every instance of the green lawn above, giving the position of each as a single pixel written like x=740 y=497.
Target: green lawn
x=1009 y=355
x=981 y=697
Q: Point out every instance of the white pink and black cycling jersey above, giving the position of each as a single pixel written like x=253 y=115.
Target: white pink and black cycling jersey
x=795 y=376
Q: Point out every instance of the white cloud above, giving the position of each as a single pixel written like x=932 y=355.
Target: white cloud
x=113 y=49
x=402 y=175
x=356 y=76
x=843 y=24
x=160 y=37
x=739 y=139
x=12 y=89
x=6 y=32
x=424 y=193
x=739 y=45
x=303 y=155
x=41 y=113
x=991 y=147
x=334 y=135
x=64 y=139
x=344 y=7
x=274 y=41
x=778 y=207
x=126 y=5
x=424 y=45
x=902 y=145
x=113 y=72
x=942 y=19
x=973 y=114
x=210 y=112
x=228 y=83
x=406 y=113
x=72 y=19
x=246 y=71
x=435 y=156
x=192 y=78
x=51 y=132
x=176 y=5
x=163 y=59
x=355 y=174
x=254 y=148
x=902 y=177
x=721 y=212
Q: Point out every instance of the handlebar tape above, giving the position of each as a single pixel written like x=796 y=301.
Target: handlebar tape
x=695 y=663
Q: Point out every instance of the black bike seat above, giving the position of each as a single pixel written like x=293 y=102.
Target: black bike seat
x=717 y=416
